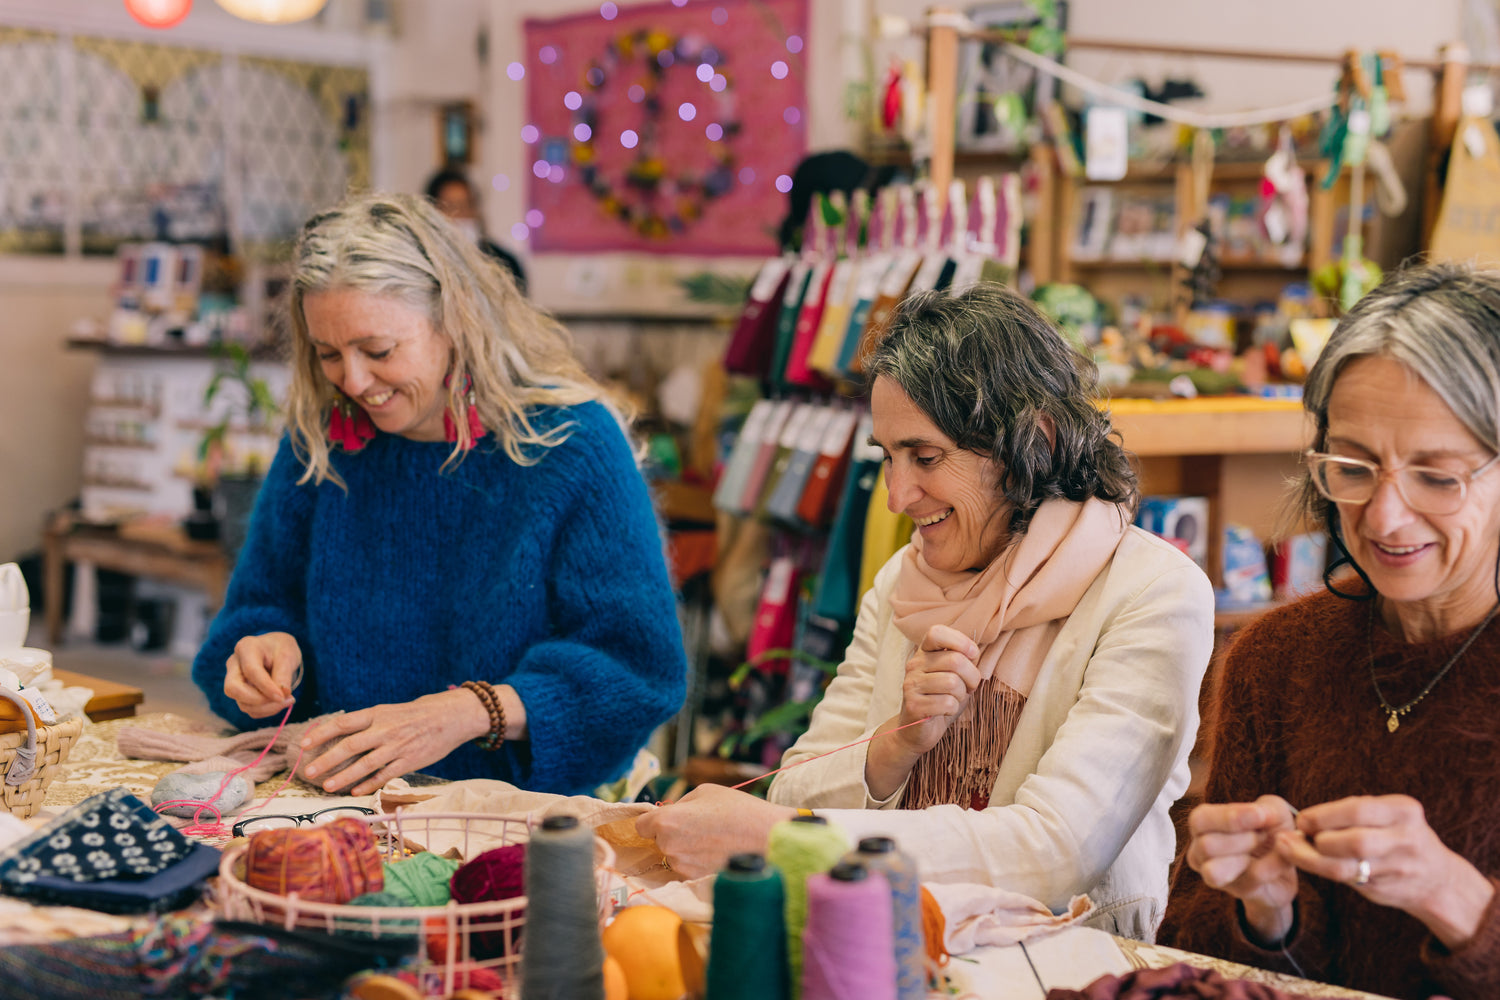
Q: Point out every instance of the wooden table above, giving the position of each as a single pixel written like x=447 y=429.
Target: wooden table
x=110 y=701
x=159 y=552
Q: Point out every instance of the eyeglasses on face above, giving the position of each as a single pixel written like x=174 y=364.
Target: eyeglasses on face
x=1425 y=489
x=255 y=824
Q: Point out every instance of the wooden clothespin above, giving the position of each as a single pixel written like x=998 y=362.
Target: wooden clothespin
x=988 y=205
x=909 y=218
x=958 y=215
x=889 y=208
x=838 y=222
x=1354 y=80
x=859 y=219
x=1391 y=67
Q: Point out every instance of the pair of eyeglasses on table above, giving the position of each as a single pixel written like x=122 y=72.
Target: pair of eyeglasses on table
x=255 y=824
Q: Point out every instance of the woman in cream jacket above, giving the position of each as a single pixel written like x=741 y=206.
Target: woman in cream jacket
x=1022 y=685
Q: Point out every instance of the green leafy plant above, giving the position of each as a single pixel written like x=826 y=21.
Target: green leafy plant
x=787 y=719
x=254 y=405
x=715 y=288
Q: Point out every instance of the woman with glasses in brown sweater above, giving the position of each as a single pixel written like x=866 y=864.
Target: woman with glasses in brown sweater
x=1349 y=826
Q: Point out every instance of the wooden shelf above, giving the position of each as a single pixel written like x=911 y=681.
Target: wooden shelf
x=1261 y=264
x=1216 y=425
x=1144 y=263
x=97 y=442
x=260 y=352
x=124 y=404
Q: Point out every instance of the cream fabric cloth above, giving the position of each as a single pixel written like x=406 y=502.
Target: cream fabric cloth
x=978 y=916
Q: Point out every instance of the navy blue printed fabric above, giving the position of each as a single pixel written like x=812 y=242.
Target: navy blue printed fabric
x=112 y=835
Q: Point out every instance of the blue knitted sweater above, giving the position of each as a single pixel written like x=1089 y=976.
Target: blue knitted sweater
x=549 y=577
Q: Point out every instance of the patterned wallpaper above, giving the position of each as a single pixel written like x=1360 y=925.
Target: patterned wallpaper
x=170 y=143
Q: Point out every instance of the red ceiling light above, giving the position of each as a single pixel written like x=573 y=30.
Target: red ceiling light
x=158 y=13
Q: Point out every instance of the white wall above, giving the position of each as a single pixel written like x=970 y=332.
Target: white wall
x=44 y=390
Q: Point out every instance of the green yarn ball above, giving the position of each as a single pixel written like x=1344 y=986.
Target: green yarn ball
x=365 y=930
x=421 y=880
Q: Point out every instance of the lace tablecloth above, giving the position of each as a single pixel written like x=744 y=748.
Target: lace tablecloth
x=96 y=766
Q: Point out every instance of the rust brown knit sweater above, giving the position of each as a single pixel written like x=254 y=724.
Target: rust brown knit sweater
x=1297 y=716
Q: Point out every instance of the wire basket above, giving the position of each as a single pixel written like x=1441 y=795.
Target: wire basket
x=51 y=744
x=447 y=934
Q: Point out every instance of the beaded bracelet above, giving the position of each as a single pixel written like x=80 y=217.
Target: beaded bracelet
x=485 y=692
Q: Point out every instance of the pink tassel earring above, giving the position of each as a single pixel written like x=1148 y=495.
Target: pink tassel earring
x=450 y=426
x=348 y=424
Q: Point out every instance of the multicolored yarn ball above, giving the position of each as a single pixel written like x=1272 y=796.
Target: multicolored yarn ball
x=332 y=863
x=494 y=875
x=422 y=879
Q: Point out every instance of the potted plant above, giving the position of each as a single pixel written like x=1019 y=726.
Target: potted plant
x=247 y=405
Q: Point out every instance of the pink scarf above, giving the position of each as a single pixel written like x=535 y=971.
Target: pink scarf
x=1013 y=610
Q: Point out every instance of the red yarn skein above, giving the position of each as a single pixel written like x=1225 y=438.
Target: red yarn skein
x=493 y=875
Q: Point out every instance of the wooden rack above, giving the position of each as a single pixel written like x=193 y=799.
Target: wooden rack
x=1237 y=451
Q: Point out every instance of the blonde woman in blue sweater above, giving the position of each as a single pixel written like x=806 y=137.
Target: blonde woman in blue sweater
x=454 y=547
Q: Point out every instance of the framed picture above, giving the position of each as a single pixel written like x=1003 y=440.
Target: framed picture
x=455 y=128
x=985 y=73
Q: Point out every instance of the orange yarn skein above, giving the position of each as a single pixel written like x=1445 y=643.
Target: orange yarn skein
x=332 y=863
x=933 y=927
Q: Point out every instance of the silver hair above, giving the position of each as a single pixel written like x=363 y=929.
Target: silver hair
x=1442 y=321
x=987 y=367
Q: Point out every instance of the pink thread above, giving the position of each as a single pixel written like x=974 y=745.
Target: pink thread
x=820 y=756
x=849 y=951
x=216 y=828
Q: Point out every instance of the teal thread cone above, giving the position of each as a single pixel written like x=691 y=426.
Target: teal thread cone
x=747 y=951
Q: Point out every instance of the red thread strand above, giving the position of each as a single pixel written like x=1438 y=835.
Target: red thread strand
x=846 y=746
x=216 y=829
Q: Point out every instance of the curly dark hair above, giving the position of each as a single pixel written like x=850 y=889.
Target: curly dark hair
x=986 y=367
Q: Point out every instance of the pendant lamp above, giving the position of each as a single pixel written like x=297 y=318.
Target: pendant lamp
x=273 y=11
x=158 y=13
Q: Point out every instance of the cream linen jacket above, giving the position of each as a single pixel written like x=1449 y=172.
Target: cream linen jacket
x=1099 y=754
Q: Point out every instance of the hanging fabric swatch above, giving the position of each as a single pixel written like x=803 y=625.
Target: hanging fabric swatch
x=816 y=505
x=742 y=457
x=786 y=446
x=838 y=593
x=786 y=321
x=765 y=455
x=751 y=345
x=776 y=616
x=782 y=505
x=893 y=287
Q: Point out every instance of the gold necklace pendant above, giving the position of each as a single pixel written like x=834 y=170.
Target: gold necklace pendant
x=1393 y=723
